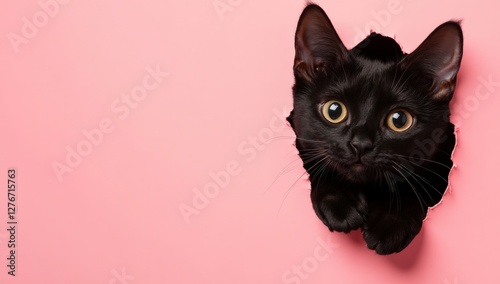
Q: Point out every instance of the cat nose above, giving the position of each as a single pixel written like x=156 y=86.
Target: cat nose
x=361 y=145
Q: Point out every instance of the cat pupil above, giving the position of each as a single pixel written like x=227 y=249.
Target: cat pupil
x=335 y=110
x=399 y=119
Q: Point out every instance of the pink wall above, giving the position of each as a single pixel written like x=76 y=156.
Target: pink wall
x=115 y=113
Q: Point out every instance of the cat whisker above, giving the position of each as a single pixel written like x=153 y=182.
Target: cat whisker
x=394 y=78
x=308 y=155
x=313 y=141
x=443 y=152
x=305 y=152
x=284 y=171
x=398 y=196
x=397 y=86
x=312 y=149
x=391 y=196
x=381 y=176
x=404 y=83
x=320 y=156
x=289 y=190
x=399 y=80
x=343 y=70
x=323 y=169
x=412 y=187
x=393 y=193
x=425 y=168
x=313 y=155
x=318 y=163
x=422 y=159
x=423 y=179
x=414 y=176
x=313 y=168
x=290 y=137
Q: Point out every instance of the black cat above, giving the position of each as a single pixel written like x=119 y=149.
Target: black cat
x=372 y=126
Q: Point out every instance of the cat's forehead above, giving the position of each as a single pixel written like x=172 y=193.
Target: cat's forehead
x=366 y=83
x=371 y=70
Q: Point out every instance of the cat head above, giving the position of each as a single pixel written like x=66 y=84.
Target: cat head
x=360 y=109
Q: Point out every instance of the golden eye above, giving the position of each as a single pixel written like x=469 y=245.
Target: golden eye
x=399 y=120
x=334 y=111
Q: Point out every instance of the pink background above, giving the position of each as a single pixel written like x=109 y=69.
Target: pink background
x=114 y=216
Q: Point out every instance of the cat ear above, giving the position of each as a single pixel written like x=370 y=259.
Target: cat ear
x=317 y=44
x=439 y=56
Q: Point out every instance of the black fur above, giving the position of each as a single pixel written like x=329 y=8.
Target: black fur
x=363 y=174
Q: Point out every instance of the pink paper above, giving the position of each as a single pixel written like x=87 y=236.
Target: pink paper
x=144 y=136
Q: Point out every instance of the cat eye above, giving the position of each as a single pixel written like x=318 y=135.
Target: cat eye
x=399 y=120
x=334 y=111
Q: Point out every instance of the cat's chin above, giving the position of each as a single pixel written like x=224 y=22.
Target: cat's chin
x=358 y=168
x=357 y=172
